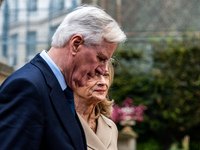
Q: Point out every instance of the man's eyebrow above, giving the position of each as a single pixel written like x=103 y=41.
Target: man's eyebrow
x=102 y=56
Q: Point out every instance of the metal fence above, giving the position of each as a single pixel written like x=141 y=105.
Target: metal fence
x=158 y=18
x=140 y=19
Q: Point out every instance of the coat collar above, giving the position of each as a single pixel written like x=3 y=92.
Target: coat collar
x=60 y=104
x=102 y=139
x=104 y=131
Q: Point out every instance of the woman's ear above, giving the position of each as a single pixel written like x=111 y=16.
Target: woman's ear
x=75 y=43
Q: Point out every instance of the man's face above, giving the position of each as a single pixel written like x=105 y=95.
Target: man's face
x=91 y=60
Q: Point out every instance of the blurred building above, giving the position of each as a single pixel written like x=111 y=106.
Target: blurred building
x=26 y=27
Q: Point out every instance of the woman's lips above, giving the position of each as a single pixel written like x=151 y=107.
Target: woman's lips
x=100 y=91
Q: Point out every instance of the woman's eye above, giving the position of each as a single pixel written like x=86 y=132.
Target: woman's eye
x=106 y=75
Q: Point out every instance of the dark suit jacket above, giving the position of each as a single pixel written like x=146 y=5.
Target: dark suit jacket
x=35 y=114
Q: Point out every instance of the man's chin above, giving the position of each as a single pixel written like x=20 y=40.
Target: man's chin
x=82 y=83
x=78 y=84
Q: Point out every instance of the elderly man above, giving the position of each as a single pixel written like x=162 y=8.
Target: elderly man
x=36 y=101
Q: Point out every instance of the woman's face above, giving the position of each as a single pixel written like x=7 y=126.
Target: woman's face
x=95 y=90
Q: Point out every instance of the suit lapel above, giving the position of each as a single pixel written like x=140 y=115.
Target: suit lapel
x=67 y=117
x=82 y=130
x=61 y=105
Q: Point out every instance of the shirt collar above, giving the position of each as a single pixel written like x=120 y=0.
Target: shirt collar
x=58 y=74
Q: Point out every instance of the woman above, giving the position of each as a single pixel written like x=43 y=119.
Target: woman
x=94 y=108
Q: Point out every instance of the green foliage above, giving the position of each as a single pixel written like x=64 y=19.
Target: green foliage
x=179 y=85
x=175 y=147
x=170 y=88
x=149 y=145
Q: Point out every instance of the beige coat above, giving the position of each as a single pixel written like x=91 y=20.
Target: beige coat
x=105 y=137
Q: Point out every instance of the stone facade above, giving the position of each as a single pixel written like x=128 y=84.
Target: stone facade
x=5 y=71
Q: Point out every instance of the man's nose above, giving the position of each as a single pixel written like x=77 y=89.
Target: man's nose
x=101 y=69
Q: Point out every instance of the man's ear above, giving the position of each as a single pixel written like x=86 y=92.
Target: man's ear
x=76 y=42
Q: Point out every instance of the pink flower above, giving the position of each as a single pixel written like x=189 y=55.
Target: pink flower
x=127 y=102
x=128 y=112
x=115 y=114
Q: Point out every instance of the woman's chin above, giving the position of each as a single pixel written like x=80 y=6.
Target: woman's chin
x=99 y=98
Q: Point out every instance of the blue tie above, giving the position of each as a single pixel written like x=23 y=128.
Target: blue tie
x=70 y=97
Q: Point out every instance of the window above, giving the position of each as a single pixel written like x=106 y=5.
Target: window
x=31 y=45
x=14 y=11
x=14 y=42
x=57 y=5
x=61 y=4
x=32 y=5
x=52 y=31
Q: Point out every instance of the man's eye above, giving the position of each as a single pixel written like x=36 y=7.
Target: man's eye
x=97 y=74
x=102 y=59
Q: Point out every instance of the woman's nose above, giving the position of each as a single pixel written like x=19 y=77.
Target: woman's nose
x=101 y=80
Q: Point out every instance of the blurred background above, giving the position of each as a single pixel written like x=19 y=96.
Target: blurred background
x=158 y=67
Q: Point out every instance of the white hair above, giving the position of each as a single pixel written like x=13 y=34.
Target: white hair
x=94 y=24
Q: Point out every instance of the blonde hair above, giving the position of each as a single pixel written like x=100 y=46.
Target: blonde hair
x=105 y=107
